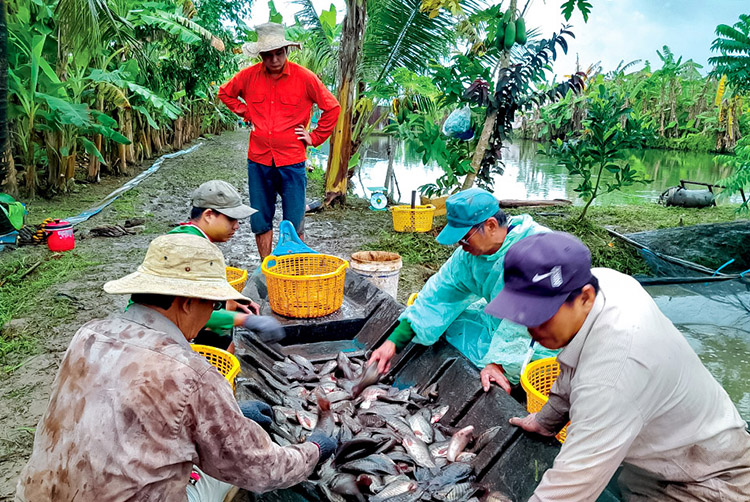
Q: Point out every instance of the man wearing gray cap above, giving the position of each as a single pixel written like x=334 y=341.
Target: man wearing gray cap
x=217 y=209
x=133 y=407
x=634 y=390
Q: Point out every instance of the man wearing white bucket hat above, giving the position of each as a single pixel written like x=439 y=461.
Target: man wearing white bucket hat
x=133 y=407
x=278 y=97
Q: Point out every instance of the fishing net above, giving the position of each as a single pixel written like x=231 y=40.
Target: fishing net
x=712 y=309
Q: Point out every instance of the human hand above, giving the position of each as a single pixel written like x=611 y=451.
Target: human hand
x=303 y=135
x=250 y=308
x=529 y=424
x=383 y=355
x=267 y=328
x=257 y=411
x=494 y=373
x=325 y=443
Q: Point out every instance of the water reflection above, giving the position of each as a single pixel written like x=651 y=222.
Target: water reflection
x=529 y=175
x=718 y=329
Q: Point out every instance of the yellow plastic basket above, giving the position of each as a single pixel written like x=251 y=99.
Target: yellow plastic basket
x=226 y=363
x=537 y=381
x=419 y=219
x=305 y=285
x=236 y=277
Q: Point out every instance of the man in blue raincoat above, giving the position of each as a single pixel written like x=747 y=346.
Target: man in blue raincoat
x=452 y=301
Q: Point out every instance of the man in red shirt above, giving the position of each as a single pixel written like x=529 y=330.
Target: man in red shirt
x=278 y=96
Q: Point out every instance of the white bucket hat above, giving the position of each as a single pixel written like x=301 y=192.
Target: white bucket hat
x=179 y=265
x=270 y=37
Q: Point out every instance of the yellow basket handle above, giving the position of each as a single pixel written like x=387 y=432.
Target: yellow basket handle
x=270 y=257
x=412 y=299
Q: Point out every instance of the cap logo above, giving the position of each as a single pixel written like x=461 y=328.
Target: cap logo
x=555 y=275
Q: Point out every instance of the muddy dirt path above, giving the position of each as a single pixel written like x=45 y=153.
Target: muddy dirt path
x=163 y=200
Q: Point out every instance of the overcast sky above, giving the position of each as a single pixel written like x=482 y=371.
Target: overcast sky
x=616 y=30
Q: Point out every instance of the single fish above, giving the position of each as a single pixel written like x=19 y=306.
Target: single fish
x=451 y=475
x=369 y=377
x=372 y=421
x=466 y=457
x=439 y=449
x=385 y=409
x=303 y=363
x=395 y=489
x=273 y=382
x=372 y=464
x=354 y=449
x=346 y=484
x=338 y=395
x=421 y=428
x=455 y=493
x=306 y=419
x=287 y=368
x=328 y=367
x=326 y=419
x=352 y=423
x=343 y=408
x=418 y=451
x=484 y=438
x=459 y=442
x=399 y=425
x=282 y=414
x=345 y=366
x=438 y=414
x=262 y=391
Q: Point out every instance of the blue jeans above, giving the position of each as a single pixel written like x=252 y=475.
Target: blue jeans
x=265 y=183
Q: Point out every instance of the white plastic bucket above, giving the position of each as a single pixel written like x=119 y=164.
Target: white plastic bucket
x=379 y=267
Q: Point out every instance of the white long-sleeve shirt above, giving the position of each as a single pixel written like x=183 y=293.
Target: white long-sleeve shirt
x=638 y=394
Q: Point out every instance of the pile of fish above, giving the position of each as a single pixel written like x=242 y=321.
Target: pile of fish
x=392 y=444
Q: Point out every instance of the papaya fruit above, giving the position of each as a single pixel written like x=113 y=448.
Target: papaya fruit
x=510 y=35
x=500 y=35
x=520 y=31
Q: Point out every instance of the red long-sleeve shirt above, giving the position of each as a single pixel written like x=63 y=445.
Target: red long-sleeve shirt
x=276 y=105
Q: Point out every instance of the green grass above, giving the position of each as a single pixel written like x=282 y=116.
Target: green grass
x=19 y=297
x=606 y=251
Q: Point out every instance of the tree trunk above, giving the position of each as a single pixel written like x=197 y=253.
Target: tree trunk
x=128 y=133
x=10 y=184
x=489 y=123
x=352 y=33
x=178 y=124
x=156 y=139
x=7 y=169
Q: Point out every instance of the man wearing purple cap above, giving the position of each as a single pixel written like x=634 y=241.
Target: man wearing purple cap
x=634 y=391
x=452 y=301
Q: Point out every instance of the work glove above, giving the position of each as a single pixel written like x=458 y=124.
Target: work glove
x=267 y=328
x=325 y=443
x=257 y=411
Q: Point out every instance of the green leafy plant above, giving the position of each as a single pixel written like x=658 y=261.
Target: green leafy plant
x=739 y=180
x=599 y=150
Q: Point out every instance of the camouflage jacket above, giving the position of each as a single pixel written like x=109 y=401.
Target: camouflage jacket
x=133 y=408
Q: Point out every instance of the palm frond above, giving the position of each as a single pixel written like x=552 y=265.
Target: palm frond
x=398 y=35
x=83 y=22
x=309 y=19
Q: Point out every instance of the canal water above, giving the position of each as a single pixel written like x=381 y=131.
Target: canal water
x=531 y=175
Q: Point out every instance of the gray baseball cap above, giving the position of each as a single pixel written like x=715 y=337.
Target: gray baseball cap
x=222 y=197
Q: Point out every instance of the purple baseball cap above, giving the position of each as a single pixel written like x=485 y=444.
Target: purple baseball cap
x=540 y=272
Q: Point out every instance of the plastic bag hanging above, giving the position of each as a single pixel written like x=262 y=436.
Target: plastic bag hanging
x=458 y=124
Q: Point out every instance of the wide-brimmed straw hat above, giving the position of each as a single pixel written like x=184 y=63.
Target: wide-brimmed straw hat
x=270 y=37
x=179 y=265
